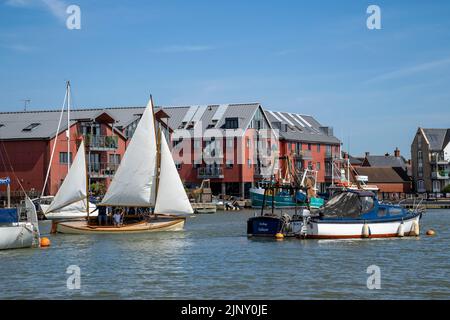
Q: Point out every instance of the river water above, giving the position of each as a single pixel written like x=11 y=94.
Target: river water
x=213 y=259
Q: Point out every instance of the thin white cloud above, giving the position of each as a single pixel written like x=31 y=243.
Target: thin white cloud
x=21 y=48
x=410 y=70
x=183 y=48
x=56 y=7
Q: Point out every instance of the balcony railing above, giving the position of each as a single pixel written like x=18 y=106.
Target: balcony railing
x=304 y=154
x=102 y=170
x=438 y=160
x=440 y=174
x=210 y=173
x=102 y=142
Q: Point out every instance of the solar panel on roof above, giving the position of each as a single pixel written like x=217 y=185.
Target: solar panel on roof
x=190 y=114
x=286 y=119
x=302 y=119
x=199 y=113
x=219 y=112
x=275 y=116
x=296 y=120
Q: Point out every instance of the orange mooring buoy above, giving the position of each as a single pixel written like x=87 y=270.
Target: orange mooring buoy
x=45 y=242
x=431 y=232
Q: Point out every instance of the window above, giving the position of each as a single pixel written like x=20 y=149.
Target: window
x=249 y=163
x=231 y=123
x=114 y=158
x=31 y=127
x=178 y=165
x=248 y=143
x=63 y=157
x=309 y=146
x=318 y=166
x=419 y=141
x=197 y=144
x=318 y=147
x=196 y=165
x=229 y=164
x=310 y=165
x=420 y=186
x=1 y=125
x=230 y=143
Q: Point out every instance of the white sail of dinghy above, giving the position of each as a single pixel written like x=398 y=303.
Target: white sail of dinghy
x=133 y=181
x=73 y=189
x=171 y=196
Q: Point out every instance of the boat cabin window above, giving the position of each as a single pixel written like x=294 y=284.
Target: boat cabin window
x=382 y=212
x=366 y=204
x=395 y=211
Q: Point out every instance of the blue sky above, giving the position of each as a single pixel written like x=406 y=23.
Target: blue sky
x=375 y=87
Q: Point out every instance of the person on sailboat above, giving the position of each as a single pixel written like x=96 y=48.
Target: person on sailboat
x=102 y=215
x=118 y=218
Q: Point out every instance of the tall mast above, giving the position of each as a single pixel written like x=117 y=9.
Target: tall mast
x=158 y=149
x=87 y=184
x=68 y=126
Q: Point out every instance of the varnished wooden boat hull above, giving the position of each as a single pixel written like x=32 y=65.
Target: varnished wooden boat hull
x=157 y=225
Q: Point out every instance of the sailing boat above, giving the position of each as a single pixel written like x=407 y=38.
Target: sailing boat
x=69 y=202
x=146 y=178
x=15 y=234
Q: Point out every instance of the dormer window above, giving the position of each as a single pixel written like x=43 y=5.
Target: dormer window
x=231 y=123
x=31 y=127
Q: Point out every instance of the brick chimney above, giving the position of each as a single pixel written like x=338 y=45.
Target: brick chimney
x=397 y=152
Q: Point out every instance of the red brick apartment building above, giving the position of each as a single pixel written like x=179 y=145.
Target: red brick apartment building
x=233 y=145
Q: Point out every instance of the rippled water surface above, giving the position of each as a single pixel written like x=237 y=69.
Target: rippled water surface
x=213 y=259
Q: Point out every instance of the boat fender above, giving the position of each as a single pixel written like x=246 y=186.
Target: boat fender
x=431 y=232
x=365 y=231
x=415 y=231
x=279 y=236
x=401 y=231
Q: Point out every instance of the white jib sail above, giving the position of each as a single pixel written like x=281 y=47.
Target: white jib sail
x=33 y=219
x=132 y=183
x=172 y=197
x=73 y=188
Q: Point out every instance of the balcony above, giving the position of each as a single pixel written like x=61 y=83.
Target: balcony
x=304 y=155
x=442 y=174
x=438 y=160
x=102 y=170
x=210 y=173
x=102 y=143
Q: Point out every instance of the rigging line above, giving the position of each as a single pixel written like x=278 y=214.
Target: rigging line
x=10 y=166
x=54 y=145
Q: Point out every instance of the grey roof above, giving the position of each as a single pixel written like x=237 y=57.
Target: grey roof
x=298 y=127
x=438 y=138
x=13 y=123
x=383 y=174
x=385 y=161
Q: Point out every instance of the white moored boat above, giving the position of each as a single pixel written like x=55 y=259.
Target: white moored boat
x=146 y=178
x=15 y=234
x=358 y=214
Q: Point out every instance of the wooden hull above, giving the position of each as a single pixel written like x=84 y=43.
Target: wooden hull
x=160 y=224
x=16 y=235
x=330 y=230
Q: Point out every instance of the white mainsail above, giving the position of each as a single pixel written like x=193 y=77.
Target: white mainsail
x=132 y=183
x=172 y=197
x=74 y=186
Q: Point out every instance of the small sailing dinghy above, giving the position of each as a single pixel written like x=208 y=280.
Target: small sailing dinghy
x=70 y=202
x=15 y=234
x=146 y=178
